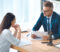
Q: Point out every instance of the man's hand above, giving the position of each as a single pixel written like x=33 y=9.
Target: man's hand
x=45 y=37
x=33 y=36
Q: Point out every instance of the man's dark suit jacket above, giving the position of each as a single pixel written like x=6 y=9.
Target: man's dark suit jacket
x=55 y=23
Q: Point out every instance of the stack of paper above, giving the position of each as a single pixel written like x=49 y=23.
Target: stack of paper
x=57 y=45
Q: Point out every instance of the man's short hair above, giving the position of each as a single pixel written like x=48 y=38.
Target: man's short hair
x=48 y=4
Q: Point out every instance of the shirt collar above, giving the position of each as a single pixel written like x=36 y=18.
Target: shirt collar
x=49 y=17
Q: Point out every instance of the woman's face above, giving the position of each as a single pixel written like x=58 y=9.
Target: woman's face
x=13 y=22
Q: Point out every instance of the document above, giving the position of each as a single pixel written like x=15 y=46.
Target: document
x=38 y=38
x=38 y=34
x=57 y=45
x=24 y=42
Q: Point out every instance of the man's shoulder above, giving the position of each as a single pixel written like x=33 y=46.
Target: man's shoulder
x=42 y=15
x=56 y=14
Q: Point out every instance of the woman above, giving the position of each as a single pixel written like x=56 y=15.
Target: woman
x=6 y=37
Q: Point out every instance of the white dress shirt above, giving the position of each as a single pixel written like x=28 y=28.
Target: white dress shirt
x=50 y=24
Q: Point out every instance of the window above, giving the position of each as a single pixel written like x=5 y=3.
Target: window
x=26 y=11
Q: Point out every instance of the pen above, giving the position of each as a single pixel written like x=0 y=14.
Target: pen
x=28 y=35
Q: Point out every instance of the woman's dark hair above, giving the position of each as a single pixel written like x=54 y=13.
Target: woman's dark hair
x=6 y=23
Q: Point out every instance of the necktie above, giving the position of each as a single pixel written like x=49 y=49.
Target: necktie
x=48 y=25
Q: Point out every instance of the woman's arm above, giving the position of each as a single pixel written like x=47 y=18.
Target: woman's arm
x=10 y=38
x=17 y=31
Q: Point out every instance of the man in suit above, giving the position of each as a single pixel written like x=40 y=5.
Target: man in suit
x=54 y=21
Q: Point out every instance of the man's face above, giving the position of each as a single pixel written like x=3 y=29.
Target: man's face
x=47 y=11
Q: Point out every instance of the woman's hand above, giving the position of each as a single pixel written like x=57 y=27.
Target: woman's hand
x=15 y=27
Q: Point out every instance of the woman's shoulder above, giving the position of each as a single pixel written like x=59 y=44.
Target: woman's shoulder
x=6 y=31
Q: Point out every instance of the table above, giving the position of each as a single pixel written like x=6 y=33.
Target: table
x=37 y=46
